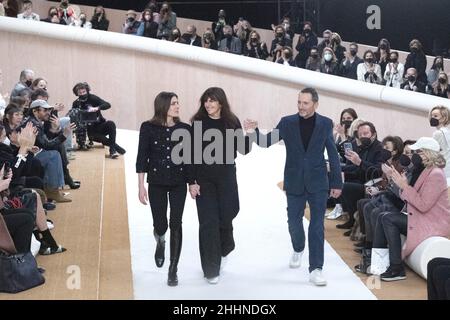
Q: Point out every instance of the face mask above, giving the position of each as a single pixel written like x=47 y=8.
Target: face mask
x=442 y=80
x=434 y=122
x=315 y=55
x=405 y=161
x=28 y=83
x=416 y=160
x=394 y=60
x=288 y=55
x=346 y=124
x=279 y=35
x=411 y=78
x=83 y=20
x=369 y=60
x=414 y=49
x=328 y=57
x=385 y=155
x=383 y=46
x=130 y=19
x=365 y=142
x=228 y=35
x=353 y=52
x=83 y=97
x=254 y=40
x=439 y=65
x=307 y=31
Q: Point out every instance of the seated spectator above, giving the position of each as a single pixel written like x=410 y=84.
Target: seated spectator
x=417 y=60
x=286 y=24
x=255 y=48
x=10 y=8
x=363 y=164
x=25 y=80
x=242 y=31
x=428 y=210
x=131 y=25
x=230 y=43
x=342 y=133
x=369 y=71
x=287 y=57
x=338 y=49
x=148 y=28
x=436 y=68
x=382 y=55
x=175 y=36
x=20 y=226
x=394 y=71
x=81 y=22
x=27 y=12
x=217 y=27
x=412 y=83
x=65 y=12
x=329 y=64
x=168 y=21
x=39 y=83
x=154 y=9
x=99 y=20
x=438 y=279
x=350 y=64
x=306 y=42
x=280 y=41
x=314 y=60
x=53 y=16
x=208 y=40
x=439 y=118
x=407 y=148
x=191 y=38
x=326 y=41
x=441 y=88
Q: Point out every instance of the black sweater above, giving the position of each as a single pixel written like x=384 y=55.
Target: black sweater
x=154 y=154
x=199 y=169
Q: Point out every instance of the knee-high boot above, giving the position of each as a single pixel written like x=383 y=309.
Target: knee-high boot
x=160 y=248
x=176 y=237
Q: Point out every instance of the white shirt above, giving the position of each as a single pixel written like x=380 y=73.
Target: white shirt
x=394 y=78
x=442 y=136
x=32 y=16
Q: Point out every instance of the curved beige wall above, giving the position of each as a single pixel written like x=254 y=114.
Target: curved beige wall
x=130 y=78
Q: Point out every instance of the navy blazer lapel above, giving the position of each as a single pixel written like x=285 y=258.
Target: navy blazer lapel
x=295 y=128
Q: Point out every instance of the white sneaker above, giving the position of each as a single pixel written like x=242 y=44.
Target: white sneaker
x=317 y=278
x=223 y=263
x=50 y=225
x=214 y=280
x=336 y=213
x=296 y=260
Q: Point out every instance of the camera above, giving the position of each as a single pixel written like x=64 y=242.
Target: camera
x=83 y=119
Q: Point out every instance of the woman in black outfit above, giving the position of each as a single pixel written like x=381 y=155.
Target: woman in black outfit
x=166 y=181
x=212 y=178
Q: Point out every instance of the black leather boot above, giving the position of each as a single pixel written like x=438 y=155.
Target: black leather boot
x=175 y=250
x=160 y=248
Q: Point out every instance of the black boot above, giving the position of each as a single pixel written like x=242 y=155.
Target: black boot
x=119 y=149
x=160 y=248
x=69 y=181
x=176 y=238
x=364 y=265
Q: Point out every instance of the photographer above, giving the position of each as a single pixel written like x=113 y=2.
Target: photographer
x=90 y=104
x=217 y=27
x=99 y=20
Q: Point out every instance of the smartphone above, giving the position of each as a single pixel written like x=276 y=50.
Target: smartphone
x=6 y=168
x=348 y=146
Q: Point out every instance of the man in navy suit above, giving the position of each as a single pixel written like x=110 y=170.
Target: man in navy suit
x=306 y=135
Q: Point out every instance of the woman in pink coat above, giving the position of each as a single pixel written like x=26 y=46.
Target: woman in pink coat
x=428 y=208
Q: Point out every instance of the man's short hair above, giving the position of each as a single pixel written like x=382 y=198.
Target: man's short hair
x=38 y=92
x=370 y=125
x=312 y=92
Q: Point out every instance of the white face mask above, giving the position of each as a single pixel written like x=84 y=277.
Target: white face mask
x=328 y=57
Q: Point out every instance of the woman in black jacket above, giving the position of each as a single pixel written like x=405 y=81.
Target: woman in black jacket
x=212 y=178
x=417 y=59
x=99 y=20
x=165 y=179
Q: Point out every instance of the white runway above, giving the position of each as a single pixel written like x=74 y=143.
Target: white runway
x=258 y=267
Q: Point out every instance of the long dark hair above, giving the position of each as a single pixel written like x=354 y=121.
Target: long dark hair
x=217 y=94
x=351 y=112
x=162 y=105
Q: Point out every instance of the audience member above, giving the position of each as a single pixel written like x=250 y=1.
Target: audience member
x=25 y=80
x=417 y=60
x=191 y=38
x=217 y=27
x=412 y=82
x=369 y=71
x=254 y=48
x=27 y=12
x=350 y=64
x=148 y=27
x=208 y=40
x=329 y=64
x=436 y=68
x=230 y=43
x=279 y=43
x=131 y=25
x=439 y=118
x=99 y=20
x=394 y=71
x=314 y=60
x=306 y=41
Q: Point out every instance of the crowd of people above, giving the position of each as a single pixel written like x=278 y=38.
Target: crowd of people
x=391 y=187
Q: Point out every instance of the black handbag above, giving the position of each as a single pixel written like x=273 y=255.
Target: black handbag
x=19 y=272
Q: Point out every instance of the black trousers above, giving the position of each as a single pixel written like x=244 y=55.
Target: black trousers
x=351 y=193
x=20 y=224
x=159 y=196
x=393 y=225
x=217 y=206
x=438 y=279
x=98 y=133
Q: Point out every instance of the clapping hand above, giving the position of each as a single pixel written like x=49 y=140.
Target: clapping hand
x=399 y=179
x=27 y=137
x=387 y=170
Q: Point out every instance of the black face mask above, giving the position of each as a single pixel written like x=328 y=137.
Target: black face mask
x=346 y=124
x=385 y=155
x=279 y=35
x=307 y=31
x=439 y=65
x=414 y=50
x=442 y=81
x=405 y=161
x=417 y=160
x=383 y=46
x=411 y=78
x=365 y=142
x=130 y=20
x=353 y=52
x=83 y=97
x=28 y=83
x=315 y=56
x=434 y=122
x=83 y=20
x=369 y=60
x=228 y=36
x=254 y=40
x=394 y=60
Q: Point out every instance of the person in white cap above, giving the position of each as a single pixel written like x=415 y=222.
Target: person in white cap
x=427 y=212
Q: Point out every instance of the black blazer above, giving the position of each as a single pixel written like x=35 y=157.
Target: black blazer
x=370 y=167
x=154 y=154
